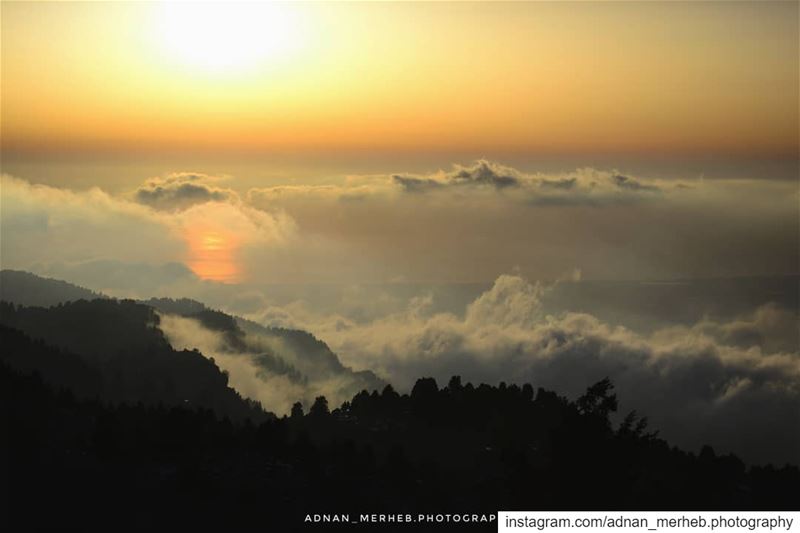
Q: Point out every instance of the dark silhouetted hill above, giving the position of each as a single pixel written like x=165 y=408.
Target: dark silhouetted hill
x=24 y=288
x=57 y=367
x=119 y=341
x=458 y=449
x=295 y=354
x=106 y=427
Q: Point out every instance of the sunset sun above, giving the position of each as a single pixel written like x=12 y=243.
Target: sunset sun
x=227 y=37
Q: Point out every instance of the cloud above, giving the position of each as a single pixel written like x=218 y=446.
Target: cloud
x=275 y=392
x=181 y=190
x=624 y=182
x=266 y=367
x=709 y=383
x=354 y=188
x=117 y=244
x=770 y=327
x=472 y=223
x=468 y=223
x=482 y=174
x=43 y=224
x=584 y=186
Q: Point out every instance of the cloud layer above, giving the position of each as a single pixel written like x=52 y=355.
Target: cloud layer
x=586 y=186
x=582 y=187
x=735 y=385
x=469 y=223
x=119 y=244
x=473 y=222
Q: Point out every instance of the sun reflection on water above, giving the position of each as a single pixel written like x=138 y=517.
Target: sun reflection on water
x=212 y=255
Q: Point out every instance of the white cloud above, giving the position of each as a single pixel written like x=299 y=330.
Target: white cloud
x=698 y=384
x=585 y=186
x=467 y=224
x=73 y=234
x=287 y=374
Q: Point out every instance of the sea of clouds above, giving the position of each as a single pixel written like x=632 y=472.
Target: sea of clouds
x=732 y=381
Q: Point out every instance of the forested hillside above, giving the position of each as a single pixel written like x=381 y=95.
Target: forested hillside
x=457 y=449
x=115 y=429
x=120 y=346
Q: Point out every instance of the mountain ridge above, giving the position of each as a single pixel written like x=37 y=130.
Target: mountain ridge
x=68 y=312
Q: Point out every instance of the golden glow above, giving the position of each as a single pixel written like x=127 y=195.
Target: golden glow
x=213 y=254
x=226 y=38
x=540 y=77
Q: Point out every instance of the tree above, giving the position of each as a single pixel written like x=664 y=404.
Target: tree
x=425 y=388
x=320 y=407
x=599 y=400
x=297 y=410
x=389 y=393
x=454 y=384
x=527 y=392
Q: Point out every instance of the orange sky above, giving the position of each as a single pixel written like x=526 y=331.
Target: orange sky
x=651 y=78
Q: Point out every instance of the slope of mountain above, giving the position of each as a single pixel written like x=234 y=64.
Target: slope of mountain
x=57 y=367
x=295 y=353
x=121 y=343
x=123 y=340
x=98 y=407
x=24 y=288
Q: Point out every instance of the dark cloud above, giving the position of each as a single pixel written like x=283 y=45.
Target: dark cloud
x=181 y=190
x=585 y=186
x=485 y=173
x=631 y=184
x=562 y=183
x=410 y=184
x=582 y=187
x=482 y=174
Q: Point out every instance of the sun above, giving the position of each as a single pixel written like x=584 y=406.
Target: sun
x=228 y=37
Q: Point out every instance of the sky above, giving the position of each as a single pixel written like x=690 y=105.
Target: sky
x=328 y=88
x=403 y=142
x=303 y=121
x=548 y=192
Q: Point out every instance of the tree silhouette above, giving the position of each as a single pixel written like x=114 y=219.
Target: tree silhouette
x=319 y=408
x=108 y=428
x=598 y=400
